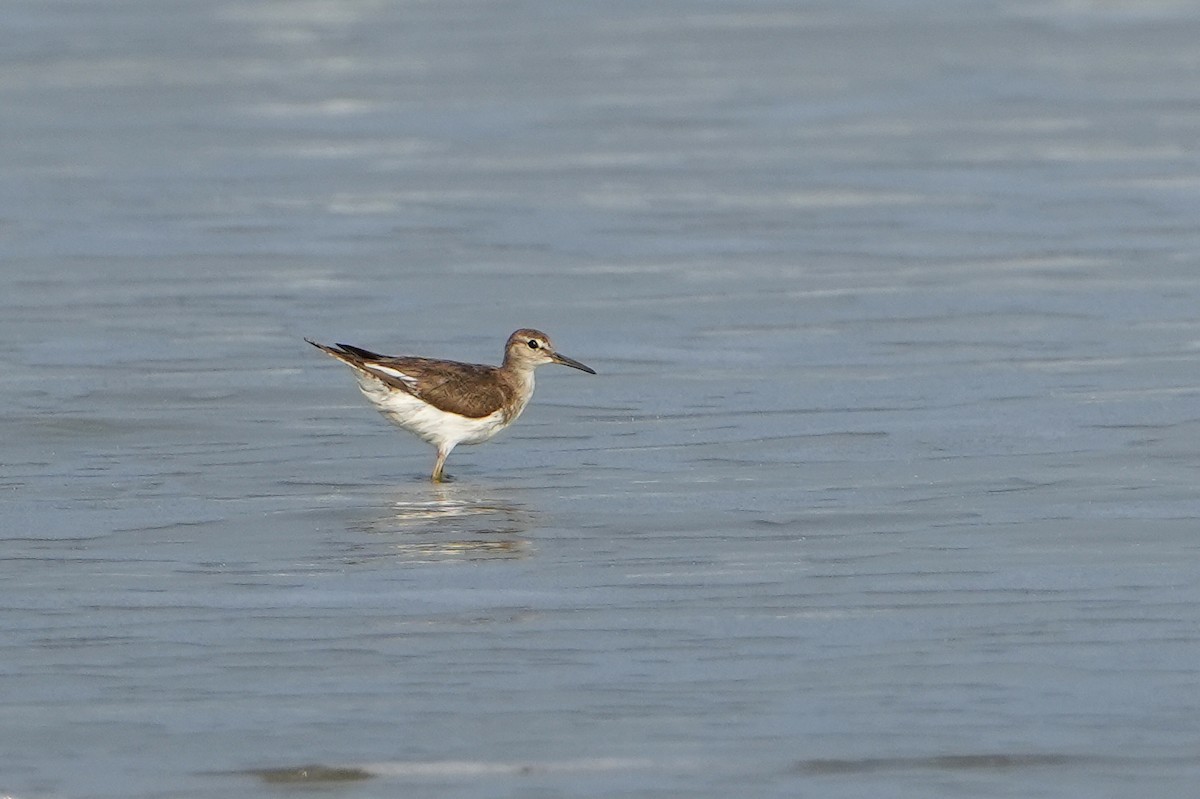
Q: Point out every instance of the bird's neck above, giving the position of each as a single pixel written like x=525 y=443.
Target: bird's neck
x=519 y=378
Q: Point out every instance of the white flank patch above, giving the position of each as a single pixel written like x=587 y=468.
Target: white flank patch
x=387 y=370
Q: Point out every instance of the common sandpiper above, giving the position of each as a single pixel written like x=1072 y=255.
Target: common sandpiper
x=448 y=403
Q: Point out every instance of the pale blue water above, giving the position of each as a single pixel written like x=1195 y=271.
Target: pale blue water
x=886 y=487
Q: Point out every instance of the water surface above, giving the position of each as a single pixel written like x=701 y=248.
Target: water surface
x=886 y=487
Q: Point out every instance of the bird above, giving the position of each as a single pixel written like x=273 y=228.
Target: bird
x=447 y=403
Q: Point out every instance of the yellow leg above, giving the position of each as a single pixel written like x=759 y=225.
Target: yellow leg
x=439 y=466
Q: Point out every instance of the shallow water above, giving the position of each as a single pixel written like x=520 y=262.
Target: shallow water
x=886 y=487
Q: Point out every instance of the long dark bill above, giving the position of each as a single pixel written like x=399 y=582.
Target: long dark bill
x=574 y=364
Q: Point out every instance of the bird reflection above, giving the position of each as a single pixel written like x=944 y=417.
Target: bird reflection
x=449 y=523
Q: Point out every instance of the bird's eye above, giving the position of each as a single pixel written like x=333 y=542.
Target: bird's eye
x=533 y=344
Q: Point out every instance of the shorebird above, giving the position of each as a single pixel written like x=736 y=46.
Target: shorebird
x=448 y=403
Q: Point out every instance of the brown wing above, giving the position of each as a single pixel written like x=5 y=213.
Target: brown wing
x=468 y=389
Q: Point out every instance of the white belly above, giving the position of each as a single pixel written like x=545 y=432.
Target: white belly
x=438 y=427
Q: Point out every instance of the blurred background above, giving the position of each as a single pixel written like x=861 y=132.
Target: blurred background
x=886 y=485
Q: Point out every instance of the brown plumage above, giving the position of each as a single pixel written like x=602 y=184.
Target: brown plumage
x=447 y=402
x=473 y=390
